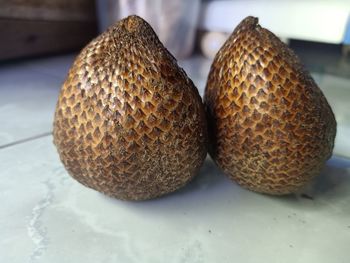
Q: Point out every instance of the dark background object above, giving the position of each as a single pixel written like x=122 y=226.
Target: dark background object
x=38 y=27
x=323 y=58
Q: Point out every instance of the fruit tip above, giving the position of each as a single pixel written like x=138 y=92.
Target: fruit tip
x=251 y=21
x=133 y=22
x=248 y=23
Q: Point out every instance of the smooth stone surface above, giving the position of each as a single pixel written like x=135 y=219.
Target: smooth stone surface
x=29 y=92
x=56 y=66
x=46 y=216
x=27 y=103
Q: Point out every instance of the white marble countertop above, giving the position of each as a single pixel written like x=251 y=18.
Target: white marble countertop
x=48 y=217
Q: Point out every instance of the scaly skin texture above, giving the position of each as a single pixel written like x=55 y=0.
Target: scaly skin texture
x=271 y=128
x=129 y=122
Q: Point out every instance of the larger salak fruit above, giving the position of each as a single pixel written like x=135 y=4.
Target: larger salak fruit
x=271 y=127
x=129 y=122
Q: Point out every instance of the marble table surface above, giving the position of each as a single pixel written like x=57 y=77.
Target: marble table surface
x=46 y=216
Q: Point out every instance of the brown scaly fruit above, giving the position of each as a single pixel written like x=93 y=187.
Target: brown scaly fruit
x=129 y=122
x=271 y=128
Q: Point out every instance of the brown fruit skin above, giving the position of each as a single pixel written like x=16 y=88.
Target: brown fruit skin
x=129 y=122
x=271 y=128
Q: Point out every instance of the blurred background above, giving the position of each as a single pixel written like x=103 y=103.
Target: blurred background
x=40 y=39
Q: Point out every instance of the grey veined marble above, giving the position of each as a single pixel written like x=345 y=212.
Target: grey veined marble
x=47 y=217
